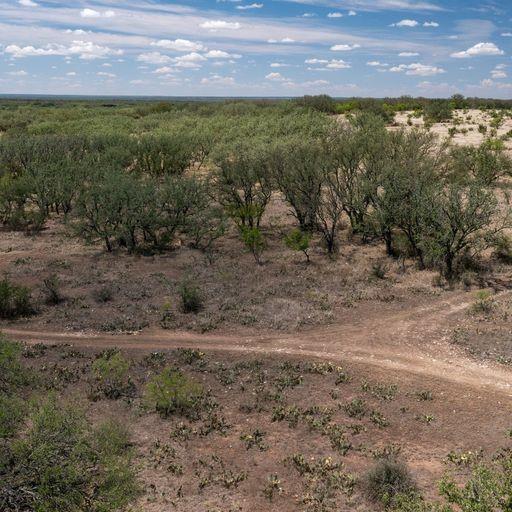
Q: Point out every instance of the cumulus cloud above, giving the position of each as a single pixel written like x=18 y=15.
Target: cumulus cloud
x=249 y=6
x=27 y=3
x=344 y=47
x=220 y=25
x=275 y=77
x=153 y=58
x=376 y=64
x=92 y=13
x=327 y=65
x=480 y=49
x=218 y=80
x=283 y=40
x=431 y=24
x=417 y=69
x=335 y=15
x=405 y=23
x=219 y=54
x=179 y=45
x=86 y=50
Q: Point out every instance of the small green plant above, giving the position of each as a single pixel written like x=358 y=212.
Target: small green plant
x=191 y=300
x=298 y=240
x=15 y=301
x=171 y=392
x=272 y=487
x=380 y=269
x=503 y=249
x=12 y=413
x=166 y=316
x=254 y=439
x=484 y=303
x=379 y=419
x=254 y=241
x=356 y=408
x=111 y=374
x=424 y=396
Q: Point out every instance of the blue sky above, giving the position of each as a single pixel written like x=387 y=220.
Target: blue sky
x=257 y=47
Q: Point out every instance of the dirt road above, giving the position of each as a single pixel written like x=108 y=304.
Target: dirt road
x=414 y=341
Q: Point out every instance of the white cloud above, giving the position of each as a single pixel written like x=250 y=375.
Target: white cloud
x=417 y=69
x=164 y=70
x=250 y=6
x=105 y=74
x=153 y=58
x=506 y=34
x=190 y=60
x=71 y=73
x=408 y=54
x=344 y=47
x=431 y=24
x=179 y=45
x=480 y=49
x=219 y=54
x=27 y=3
x=406 y=23
x=284 y=40
x=376 y=64
x=352 y=13
x=275 y=77
x=90 y=13
x=86 y=50
x=335 y=15
x=218 y=80
x=221 y=25
x=338 y=64
x=18 y=73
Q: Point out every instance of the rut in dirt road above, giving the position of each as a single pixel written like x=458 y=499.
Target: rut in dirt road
x=413 y=341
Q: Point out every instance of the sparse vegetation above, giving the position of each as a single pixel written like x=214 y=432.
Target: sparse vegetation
x=126 y=216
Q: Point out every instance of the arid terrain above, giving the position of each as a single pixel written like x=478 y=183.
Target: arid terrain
x=311 y=372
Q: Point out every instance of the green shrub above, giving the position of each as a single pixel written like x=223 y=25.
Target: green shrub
x=12 y=374
x=59 y=465
x=191 y=300
x=172 y=392
x=15 y=301
x=387 y=479
x=111 y=375
x=12 y=413
x=298 y=240
x=254 y=241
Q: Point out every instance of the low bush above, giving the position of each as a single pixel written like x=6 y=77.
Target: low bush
x=172 y=392
x=51 y=290
x=60 y=465
x=12 y=413
x=387 y=479
x=15 y=300
x=104 y=294
x=111 y=374
x=191 y=301
x=12 y=374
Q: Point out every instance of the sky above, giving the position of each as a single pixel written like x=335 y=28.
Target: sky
x=378 y=48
